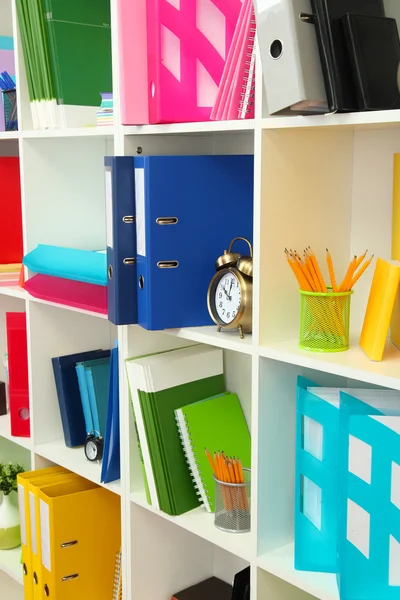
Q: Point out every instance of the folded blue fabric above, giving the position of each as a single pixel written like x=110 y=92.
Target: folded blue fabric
x=68 y=263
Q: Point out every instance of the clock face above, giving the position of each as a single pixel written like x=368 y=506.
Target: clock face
x=228 y=297
x=91 y=450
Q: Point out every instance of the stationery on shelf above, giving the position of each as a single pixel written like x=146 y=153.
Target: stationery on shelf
x=380 y=308
x=212 y=424
x=68 y=263
x=395 y=322
x=3 y=399
x=105 y=115
x=292 y=71
x=212 y=589
x=72 y=515
x=336 y=65
x=7 y=66
x=69 y=397
x=170 y=232
x=235 y=97
x=94 y=378
x=121 y=240
x=11 y=222
x=176 y=57
x=159 y=384
x=23 y=480
x=374 y=49
x=241 y=585
x=117 y=587
x=321 y=443
x=78 y=294
x=18 y=387
x=110 y=466
x=58 y=98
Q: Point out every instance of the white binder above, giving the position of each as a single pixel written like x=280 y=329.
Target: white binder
x=290 y=58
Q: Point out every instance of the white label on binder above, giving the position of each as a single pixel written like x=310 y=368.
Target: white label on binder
x=22 y=516
x=264 y=5
x=140 y=213
x=45 y=534
x=32 y=516
x=109 y=209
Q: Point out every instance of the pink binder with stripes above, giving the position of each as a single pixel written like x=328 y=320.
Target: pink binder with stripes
x=173 y=56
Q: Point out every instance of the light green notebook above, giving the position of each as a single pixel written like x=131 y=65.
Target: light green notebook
x=218 y=424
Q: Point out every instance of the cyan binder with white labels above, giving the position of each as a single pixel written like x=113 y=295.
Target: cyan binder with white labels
x=186 y=210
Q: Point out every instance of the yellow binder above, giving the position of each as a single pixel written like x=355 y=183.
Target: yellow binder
x=34 y=486
x=395 y=322
x=80 y=533
x=23 y=503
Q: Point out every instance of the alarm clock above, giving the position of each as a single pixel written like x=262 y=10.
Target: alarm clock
x=94 y=447
x=230 y=293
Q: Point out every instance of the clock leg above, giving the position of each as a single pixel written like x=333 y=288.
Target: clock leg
x=241 y=332
x=218 y=329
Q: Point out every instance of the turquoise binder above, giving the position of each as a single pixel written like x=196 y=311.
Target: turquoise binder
x=98 y=382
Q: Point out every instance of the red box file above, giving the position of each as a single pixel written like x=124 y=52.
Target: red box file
x=17 y=349
x=11 y=211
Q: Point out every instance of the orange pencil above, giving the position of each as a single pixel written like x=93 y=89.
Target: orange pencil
x=360 y=259
x=331 y=270
x=317 y=270
x=210 y=460
x=349 y=274
x=361 y=271
x=309 y=263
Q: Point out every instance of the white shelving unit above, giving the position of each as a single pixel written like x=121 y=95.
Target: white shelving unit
x=320 y=181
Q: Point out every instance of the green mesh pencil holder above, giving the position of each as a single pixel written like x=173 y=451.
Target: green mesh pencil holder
x=324 y=321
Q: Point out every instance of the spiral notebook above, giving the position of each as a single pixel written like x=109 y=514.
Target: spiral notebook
x=217 y=423
x=235 y=97
x=117 y=585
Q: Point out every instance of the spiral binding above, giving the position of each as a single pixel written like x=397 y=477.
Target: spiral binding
x=198 y=480
x=117 y=585
x=246 y=102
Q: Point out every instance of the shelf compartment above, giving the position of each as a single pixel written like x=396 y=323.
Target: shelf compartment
x=75 y=460
x=280 y=563
x=201 y=523
x=229 y=340
x=380 y=119
x=73 y=132
x=10 y=564
x=188 y=128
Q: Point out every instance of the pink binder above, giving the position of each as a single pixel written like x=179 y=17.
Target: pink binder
x=176 y=50
x=78 y=294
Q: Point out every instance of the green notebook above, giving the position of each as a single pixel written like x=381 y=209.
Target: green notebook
x=79 y=36
x=164 y=382
x=217 y=424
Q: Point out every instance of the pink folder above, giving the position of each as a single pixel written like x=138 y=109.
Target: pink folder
x=87 y=296
x=235 y=98
x=176 y=51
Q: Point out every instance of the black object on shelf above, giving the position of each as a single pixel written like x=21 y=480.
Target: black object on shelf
x=3 y=400
x=374 y=49
x=241 y=585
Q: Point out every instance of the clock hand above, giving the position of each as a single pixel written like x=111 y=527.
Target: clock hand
x=230 y=289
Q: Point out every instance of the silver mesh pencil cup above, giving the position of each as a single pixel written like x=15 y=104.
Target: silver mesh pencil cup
x=232 y=504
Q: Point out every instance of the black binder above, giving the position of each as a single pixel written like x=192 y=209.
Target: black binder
x=337 y=71
x=374 y=50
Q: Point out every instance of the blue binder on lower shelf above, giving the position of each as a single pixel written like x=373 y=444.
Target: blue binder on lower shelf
x=187 y=209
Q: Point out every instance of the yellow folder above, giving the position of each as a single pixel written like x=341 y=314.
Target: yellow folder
x=395 y=322
x=80 y=533
x=380 y=308
x=34 y=486
x=23 y=503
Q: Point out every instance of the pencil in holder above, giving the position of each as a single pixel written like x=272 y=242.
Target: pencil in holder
x=324 y=321
x=10 y=110
x=232 y=504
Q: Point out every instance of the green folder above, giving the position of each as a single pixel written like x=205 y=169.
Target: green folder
x=200 y=376
x=79 y=36
x=217 y=424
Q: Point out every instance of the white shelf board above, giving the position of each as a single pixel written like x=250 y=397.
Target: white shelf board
x=105 y=132
x=5 y=432
x=229 y=340
x=201 y=523
x=381 y=119
x=280 y=563
x=65 y=307
x=202 y=127
x=14 y=292
x=9 y=135
x=353 y=363
x=10 y=563
x=75 y=460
